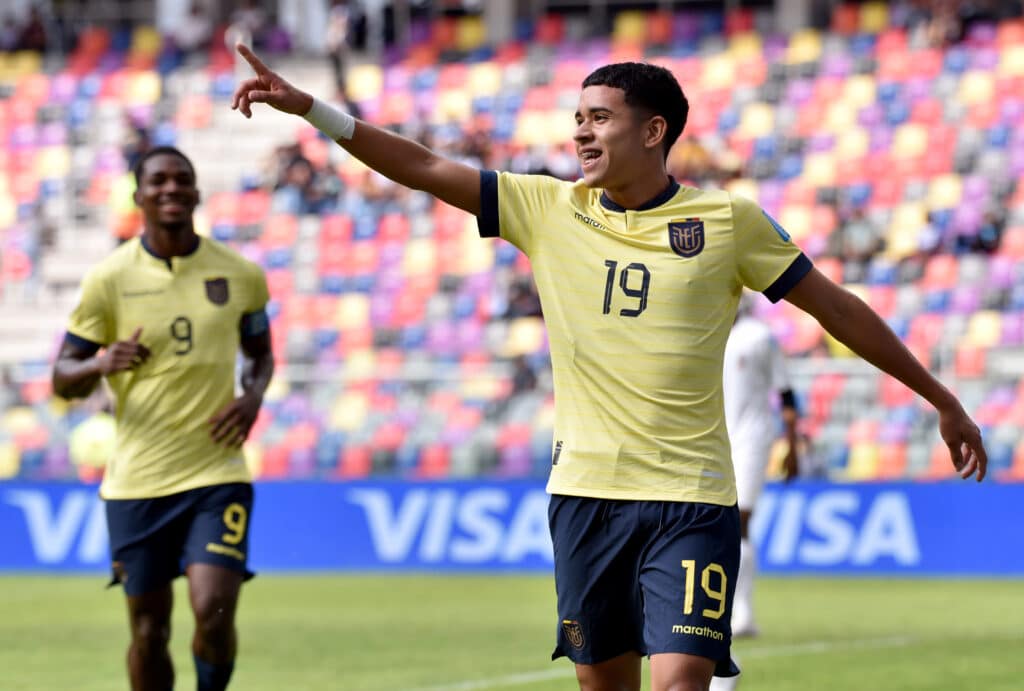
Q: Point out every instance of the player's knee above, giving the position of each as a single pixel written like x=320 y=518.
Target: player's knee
x=215 y=616
x=151 y=634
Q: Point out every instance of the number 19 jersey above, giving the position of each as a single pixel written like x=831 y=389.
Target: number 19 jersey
x=638 y=305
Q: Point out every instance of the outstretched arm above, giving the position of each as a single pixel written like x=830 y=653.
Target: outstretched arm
x=856 y=325
x=398 y=158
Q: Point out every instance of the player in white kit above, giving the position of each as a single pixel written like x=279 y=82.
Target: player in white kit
x=754 y=372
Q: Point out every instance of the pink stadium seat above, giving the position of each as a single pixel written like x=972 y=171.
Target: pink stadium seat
x=335 y=230
x=940 y=272
x=435 y=461
x=969 y=362
x=894 y=393
x=355 y=462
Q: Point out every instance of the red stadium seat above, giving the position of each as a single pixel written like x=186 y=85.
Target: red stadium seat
x=892 y=461
x=435 y=461
x=355 y=462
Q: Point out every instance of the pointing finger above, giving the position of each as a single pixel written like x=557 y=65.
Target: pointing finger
x=136 y=334
x=250 y=57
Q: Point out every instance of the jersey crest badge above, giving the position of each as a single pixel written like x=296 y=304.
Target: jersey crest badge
x=217 y=290
x=686 y=238
x=573 y=632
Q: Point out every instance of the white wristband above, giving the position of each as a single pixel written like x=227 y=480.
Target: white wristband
x=336 y=124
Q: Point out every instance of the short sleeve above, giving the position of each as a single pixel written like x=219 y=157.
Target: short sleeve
x=767 y=260
x=92 y=318
x=511 y=205
x=258 y=292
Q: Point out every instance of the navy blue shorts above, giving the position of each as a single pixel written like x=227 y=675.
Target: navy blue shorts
x=646 y=576
x=153 y=540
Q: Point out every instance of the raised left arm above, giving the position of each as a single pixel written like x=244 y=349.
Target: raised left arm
x=853 y=323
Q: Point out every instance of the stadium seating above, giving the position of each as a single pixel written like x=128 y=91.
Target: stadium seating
x=391 y=315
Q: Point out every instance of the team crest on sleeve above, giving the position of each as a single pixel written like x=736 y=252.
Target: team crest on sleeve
x=686 y=238
x=573 y=632
x=217 y=290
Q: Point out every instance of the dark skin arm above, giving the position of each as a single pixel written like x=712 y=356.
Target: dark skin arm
x=77 y=370
x=232 y=424
x=790 y=468
x=853 y=323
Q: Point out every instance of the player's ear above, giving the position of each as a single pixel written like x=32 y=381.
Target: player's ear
x=655 y=131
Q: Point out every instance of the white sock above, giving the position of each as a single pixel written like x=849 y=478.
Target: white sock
x=743 y=603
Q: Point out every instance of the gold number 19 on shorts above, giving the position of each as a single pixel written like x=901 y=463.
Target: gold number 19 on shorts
x=717 y=594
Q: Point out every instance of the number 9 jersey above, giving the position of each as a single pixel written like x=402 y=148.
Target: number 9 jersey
x=638 y=305
x=191 y=310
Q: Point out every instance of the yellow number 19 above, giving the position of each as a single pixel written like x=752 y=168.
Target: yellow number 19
x=718 y=594
x=234 y=520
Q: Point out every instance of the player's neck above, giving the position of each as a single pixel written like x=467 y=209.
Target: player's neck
x=166 y=243
x=642 y=192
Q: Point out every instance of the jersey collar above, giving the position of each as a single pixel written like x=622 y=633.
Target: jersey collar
x=657 y=200
x=167 y=260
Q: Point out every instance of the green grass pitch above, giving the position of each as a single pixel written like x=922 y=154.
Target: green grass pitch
x=462 y=633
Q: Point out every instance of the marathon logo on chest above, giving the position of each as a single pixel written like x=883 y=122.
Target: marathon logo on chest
x=217 y=290
x=686 y=237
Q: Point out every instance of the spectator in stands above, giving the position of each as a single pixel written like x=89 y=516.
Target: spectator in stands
x=33 y=32
x=638 y=310
x=194 y=31
x=987 y=236
x=249 y=19
x=337 y=41
x=523 y=377
x=9 y=33
x=523 y=300
x=858 y=241
x=303 y=190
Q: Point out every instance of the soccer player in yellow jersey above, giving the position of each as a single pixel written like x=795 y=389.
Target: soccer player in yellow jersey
x=163 y=319
x=639 y=279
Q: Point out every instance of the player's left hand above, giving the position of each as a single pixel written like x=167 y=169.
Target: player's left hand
x=231 y=425
x=963 y=438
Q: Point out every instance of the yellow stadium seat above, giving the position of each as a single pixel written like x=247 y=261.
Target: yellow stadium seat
x=279 y=388
x=525 y=336
x=1011 y=61
x=353 y=311
x=53 y=162
x=420 y=257
x=796 y=219
x=804 y=46
x=364 y=82
x=470 y=33
x=19 y=419
x=945 y=191
x=143 y=88
x=820 y=169
x=360 y=364
x=757 y=120
x=840 y=117
x=874 y=17
x=984 y=329
x=146 y=40
x=349 y=411
x=860 y=91
x=484 y=79
x=630 y=27
x=8 y=210
x=10 y=460
x=910 y=140
x=719 y=72
x=853 y=143
x=474 y=256
x=863 y=461
x=453 y=105
x=976 y=87
x=744 y=187
x=745 y=45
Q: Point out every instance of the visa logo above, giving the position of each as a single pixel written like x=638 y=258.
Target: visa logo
x=62 y=525
x=444 y=525
x=835 y=527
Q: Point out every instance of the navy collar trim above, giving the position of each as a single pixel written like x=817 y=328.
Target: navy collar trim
x=657 y=200
x=150 y=252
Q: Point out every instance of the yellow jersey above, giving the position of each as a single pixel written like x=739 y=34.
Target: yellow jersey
x=638 y=305
x=190 y=309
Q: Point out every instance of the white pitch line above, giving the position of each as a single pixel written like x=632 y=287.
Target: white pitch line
x=809 y=648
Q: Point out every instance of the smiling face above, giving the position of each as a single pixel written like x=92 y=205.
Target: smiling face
x=167 y=192
x=615 y=144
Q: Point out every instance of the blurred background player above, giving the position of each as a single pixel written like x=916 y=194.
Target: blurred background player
x=163 y=319
x=754 y=369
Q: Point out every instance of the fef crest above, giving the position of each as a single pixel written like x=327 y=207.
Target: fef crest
x=686 y=238
x=217 y=290
x=573 y=632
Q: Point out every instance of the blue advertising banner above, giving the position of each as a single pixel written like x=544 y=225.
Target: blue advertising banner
x=955 y=528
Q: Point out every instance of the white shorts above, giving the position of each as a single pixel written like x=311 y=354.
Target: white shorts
x=750 y=463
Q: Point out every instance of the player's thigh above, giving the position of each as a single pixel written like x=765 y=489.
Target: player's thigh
x=213 y=591
x=688 y=580
x=147 y=539
x=750 y=464
x=596 y=560
x=149 y=614
x=219 y=531
x=620 y=673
